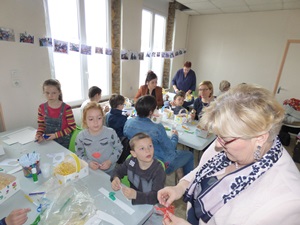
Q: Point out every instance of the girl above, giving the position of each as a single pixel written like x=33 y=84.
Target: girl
x=97 y=144
x=205 y=96
x=55 y=118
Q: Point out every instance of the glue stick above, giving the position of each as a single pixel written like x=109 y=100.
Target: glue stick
x=34 y=175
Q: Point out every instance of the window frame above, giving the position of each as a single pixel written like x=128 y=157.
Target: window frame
x=84 y=73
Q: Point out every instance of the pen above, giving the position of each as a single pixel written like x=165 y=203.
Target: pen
x=37 y=193
x=31 y=200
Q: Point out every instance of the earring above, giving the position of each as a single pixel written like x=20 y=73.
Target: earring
x=257 y=153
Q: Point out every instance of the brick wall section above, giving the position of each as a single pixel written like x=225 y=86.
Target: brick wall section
x=115 y=44
x=169 y=39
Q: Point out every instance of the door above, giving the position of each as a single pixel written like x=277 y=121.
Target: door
x=288 y=80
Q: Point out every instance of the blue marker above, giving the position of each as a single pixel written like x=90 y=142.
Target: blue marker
x=46 y=136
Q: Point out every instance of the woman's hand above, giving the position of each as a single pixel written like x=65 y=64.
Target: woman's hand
x=105 y=165
x=129 y=192
x=94 y=165
x=172 y=219
x=17 y=217
x=168 y=195
x=116 y=184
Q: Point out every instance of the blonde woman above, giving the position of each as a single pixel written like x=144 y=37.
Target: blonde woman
x=245 y=177
x=205 y=96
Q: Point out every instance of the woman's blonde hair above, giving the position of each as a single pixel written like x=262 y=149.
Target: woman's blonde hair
x=209 y=85
x=245 y=111
x=90 y=105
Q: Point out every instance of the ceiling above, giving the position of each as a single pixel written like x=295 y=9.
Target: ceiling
x=204 y=7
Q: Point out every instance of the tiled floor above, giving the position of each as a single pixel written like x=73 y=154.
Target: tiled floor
x=180 y=206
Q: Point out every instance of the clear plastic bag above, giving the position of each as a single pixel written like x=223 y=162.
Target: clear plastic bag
x=67 y=204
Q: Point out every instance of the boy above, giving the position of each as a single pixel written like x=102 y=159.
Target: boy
x=178 y=101
x=115 y=119
x=94 y=95
x=145 y=174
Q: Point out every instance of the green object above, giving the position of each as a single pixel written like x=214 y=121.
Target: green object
x=112 y=196
x=167 y=129
x=190 y=132
x=65 y=204
x=34 y=175
x=73 y=138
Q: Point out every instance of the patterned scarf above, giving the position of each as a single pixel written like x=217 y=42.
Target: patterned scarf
x=207 y=203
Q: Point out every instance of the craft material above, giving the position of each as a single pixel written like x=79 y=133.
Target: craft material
x=31 y=200
x=37 y=193
x=118 y=202
x=34 y=175
x=9 y=185
x=64 y=205
x=28 y=162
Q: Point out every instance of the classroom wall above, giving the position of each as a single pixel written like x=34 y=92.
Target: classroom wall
x=26 y=63
x=243 y=47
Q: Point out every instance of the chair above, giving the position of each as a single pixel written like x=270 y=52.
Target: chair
x=125 y=180
x=73 y=138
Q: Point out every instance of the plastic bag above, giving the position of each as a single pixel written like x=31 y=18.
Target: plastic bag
x=67 y=204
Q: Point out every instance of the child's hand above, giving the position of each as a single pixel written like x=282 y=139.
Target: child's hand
x=94 y=165
x=116 y=184
x=129 y=192
x=175 y=132
x=106 y=109
x=38 y=138
x=17 y=217
x=105 y=165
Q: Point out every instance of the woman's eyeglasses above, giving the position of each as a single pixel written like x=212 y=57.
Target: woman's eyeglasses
x=224 y=143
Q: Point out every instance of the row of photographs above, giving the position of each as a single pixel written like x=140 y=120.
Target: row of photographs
x=64 y=47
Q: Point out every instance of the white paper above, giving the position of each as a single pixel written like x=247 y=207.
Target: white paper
x=118 y=202
x=9 y=162
x=1 y=150
x=23 y=136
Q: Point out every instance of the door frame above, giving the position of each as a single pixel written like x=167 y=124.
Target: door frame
x=287 y=46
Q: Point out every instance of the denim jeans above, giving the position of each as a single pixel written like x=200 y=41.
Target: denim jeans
x=184 y=159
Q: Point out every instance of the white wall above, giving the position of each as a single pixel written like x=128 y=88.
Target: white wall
x=244 y=47
x=30 y=61
x=180 y=41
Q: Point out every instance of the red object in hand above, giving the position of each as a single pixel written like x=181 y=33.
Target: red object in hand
x=164 y=210
x=96 y=155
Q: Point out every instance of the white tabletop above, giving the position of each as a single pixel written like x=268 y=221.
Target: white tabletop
x=189 y=138
x=94 y=181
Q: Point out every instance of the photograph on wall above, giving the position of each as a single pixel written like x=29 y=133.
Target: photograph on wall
x=141 y=55
x=124 y=55
x=158 y=54
x=26 y=38
x=98 y=50
x=108 y=51
x=45 y=42
x=153 y=54
x=74 y=47
x=180 y=52
x=184 y=51
x=60 y=46
x=86 y=49
x=7 y=34
x=148 y=54
x=163 y=54
x=133 y=56
x=171 y=54
x=176 y=53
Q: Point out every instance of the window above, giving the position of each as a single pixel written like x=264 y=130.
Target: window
x=80 y=22
x=153 y=40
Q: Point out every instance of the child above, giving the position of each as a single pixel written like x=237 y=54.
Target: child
x=177 y=103
x=97 y=144
x=55 y=118
x=145 y=174
x=94 y=95
x=115 y=119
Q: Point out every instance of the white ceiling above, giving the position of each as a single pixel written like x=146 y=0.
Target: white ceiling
x=202 y=7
